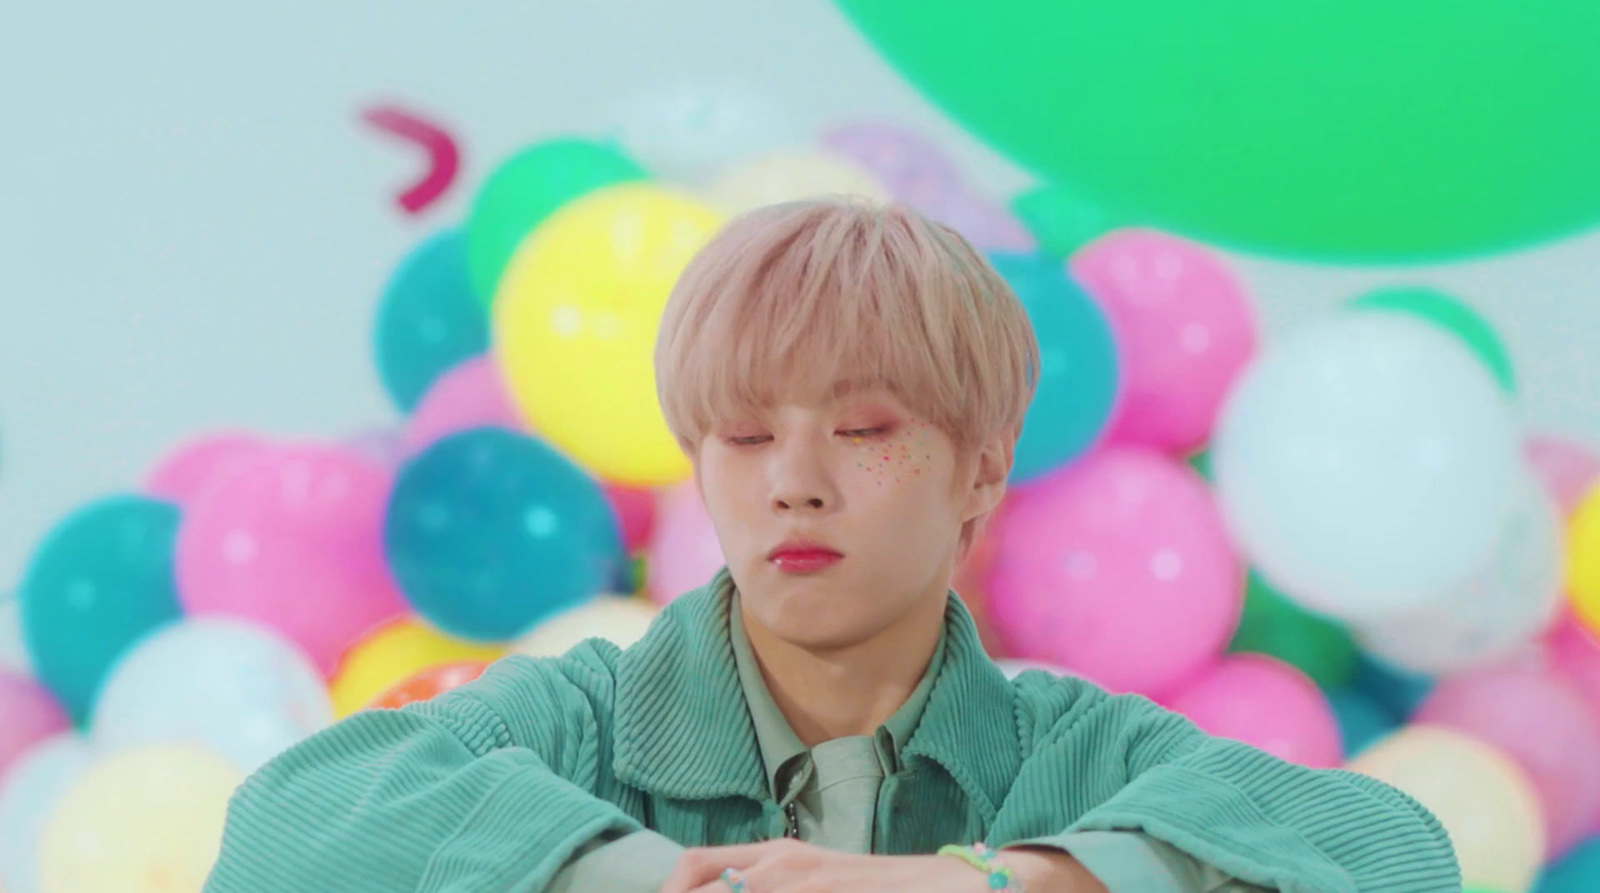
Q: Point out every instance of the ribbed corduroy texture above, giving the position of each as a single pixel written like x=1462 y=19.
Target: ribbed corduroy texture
x=494 y=786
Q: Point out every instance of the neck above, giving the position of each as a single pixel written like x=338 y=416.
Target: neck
x=852 y=690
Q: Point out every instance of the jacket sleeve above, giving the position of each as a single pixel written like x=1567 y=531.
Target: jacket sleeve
x=1096 y=762
x=435 y=796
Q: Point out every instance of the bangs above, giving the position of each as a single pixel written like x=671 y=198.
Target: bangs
x=791 y=301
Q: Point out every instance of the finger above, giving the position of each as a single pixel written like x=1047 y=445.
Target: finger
x=702 y=866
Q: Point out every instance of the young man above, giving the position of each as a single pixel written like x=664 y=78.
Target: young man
x=849 y=382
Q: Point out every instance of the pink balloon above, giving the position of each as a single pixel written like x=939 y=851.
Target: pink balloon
x=1544 y=723
x=1184 y=328
x=31 y=714
x=1569 y=469
x=1117 y=567
x=1266 y=704
x=1574 y=653
x=684 y=553
x=293 y=541
x=381 y=443
x=636 y=510
x=468 y=395
x=200 y=462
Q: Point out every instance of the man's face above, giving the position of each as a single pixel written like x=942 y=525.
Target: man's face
x=838 y=518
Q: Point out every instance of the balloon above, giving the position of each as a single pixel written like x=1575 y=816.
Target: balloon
x=989 y=227
x=685 y=552
x=1281 y=128
x=144 y=821
x=490 y=531
x=1399 y=691
x=1513 y=596
x=1486 y=804
x=380 y=444
x=528 y=188
x=791 y=176
x=1184 y=328
x=231 y=688
x=1572 y=651
x=909 y=165
x=583 y=304
x=393 y=653
x=101 y=580
x=1266 y=704
x=1275 y=626
x=1079 y=370
x=429 y=318
x=617 y=619
x=1543 y=723
x=1061 y=219
x=1576 y=872
x=1117 y=568
x=429 y=683
x=1365 y=463
x=293 y=541
x=29 y=794
x=691 y=131
x=1568 y=469
x=13 y=651
x=1451 y=315
x=470 y=395
x=1583 y=560
x=1363 y=721
x=636 y=512
x=200 y=462
x=31 y=714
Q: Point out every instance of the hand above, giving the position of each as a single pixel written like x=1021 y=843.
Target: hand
x=789 y=866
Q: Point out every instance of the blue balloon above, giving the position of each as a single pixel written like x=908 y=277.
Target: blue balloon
x=1077 y=364
x=1398 y=691
x=101 y=580
x=1362 y=720
x=1576 y=872
x=489 y=532
x=429 y=319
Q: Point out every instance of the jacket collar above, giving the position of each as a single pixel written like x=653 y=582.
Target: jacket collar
x=683 y=729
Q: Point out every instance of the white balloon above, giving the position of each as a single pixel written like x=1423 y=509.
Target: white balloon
x=793 y=176
x=1365 y=463
x=619 y=619
x=690 y=132
x=1512 y=597
x=227 y=686
x=29 y=792
x=13 y=651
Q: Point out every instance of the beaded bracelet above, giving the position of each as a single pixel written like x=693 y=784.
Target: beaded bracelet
x=981 y=857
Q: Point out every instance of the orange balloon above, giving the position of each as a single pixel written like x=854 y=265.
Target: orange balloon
x=430 y=682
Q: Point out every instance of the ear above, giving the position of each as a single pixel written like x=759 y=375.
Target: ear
x=993 y=466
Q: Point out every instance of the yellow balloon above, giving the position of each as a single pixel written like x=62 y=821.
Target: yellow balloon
x=575 y=322
x=142 y=821
x=613 y=618
x=1483 y=799
x=792 y=176
x=396 y=652
x=1583 y=560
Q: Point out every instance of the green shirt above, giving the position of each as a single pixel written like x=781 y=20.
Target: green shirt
x=496 y=786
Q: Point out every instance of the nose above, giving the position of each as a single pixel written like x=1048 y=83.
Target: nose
x=801 y=480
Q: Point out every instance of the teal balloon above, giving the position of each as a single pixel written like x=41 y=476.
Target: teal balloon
x=429 y=319
x=101 y=580
x=1078 y=373
x=1576 y=872
x=489 y=532
x=1332 y=129
x=1400 y=692
x=1362 y=719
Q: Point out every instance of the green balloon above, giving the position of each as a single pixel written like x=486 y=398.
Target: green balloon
x=1060 y=219
x=1330 y=129
x=1201 y=463
x=1275 y=626
x=528 y=188
x=1452 y=315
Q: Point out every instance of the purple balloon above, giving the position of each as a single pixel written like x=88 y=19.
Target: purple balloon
x=910 y=166
x=987 y=226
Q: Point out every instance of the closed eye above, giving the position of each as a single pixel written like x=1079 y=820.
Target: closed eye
x=750 y=440
x=863 y=432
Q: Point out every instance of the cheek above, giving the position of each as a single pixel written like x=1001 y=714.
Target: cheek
x=905 y=463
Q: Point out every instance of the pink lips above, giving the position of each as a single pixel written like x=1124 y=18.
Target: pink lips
x=803 y=558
